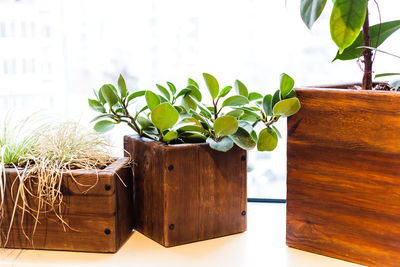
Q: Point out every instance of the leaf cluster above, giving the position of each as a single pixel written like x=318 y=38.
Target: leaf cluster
x=347 y=18
x=179 y=116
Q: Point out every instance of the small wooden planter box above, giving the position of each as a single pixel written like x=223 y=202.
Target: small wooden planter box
x=343 y=179
x=187 y=193
x=102 y=218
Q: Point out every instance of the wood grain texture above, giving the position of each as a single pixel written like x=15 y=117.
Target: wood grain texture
x=187 y=193
x=108 y=205
x=343 y=179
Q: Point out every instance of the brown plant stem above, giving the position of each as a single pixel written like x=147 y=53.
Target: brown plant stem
x=367 y=54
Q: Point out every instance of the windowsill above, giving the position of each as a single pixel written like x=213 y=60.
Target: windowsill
x=262 y=245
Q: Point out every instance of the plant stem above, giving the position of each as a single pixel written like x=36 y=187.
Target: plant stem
x=367 y=78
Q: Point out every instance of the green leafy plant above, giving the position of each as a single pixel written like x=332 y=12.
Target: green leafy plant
x=347 y=18
x=178 y=116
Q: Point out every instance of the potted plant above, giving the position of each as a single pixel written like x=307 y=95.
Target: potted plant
x=61 y=189
x=190 y=158
x=343 y=165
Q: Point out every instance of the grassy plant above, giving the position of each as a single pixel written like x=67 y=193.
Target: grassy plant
x=48 y=157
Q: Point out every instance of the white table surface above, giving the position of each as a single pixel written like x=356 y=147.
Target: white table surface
x=262 y=245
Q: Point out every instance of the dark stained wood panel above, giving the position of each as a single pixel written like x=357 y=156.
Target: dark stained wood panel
x=343 y=179
x=187 y=193
x=100 y=220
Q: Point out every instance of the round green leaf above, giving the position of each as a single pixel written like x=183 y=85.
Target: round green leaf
x=152 y=99
x=164 y=116
x=109 y=93
x=243 y=139
x=286 y=85
x=212 y=85
x=236 y=100
x=267 y=140
x=194 y=92
x=223 y=145
x=122 y=86
x=170 y=136
x=287 y=107
x=347 y=17
x=103 y=126
x=241 y=89
x=96 y=106
x=225 y=125
x=254 y=96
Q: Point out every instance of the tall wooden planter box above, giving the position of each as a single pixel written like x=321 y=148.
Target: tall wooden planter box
x=343 y=179
x=101 y=220
x=187 y=193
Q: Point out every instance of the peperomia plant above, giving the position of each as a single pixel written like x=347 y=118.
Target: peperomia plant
x=347 y=18
x=174 y=117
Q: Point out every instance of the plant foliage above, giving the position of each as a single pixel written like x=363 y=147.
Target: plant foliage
x=179 y=116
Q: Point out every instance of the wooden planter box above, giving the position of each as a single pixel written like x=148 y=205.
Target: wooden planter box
x=343 y=179
x=187 y=193
x=102 y=218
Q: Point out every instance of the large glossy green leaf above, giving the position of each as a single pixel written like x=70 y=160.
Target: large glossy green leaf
x=241 y=89
x=164 y=91
x=122 y=86
x=225 y=125
x=267 y=104
x=267 y=140
x=287 y=107
x=96 y=106
x=170 y=136
x=108 y=91
x=310 y=10
x=386 y=29
x=380 y=75
x=286 y=85
x=164 y=116
x=236 y=100
x=346 y=20
x=152 y=99
x=103 y=126
x=223 y=145
x=243 y=139
x=212 y=85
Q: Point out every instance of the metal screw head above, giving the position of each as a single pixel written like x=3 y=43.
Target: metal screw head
x=171 y=226
x=107 y=231
x=107 y=187
x=243 y=213
x=170 y=167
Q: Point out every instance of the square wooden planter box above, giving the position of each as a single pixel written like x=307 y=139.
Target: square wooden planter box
x=343 y=178
x=187 y=193
x=101 y=219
